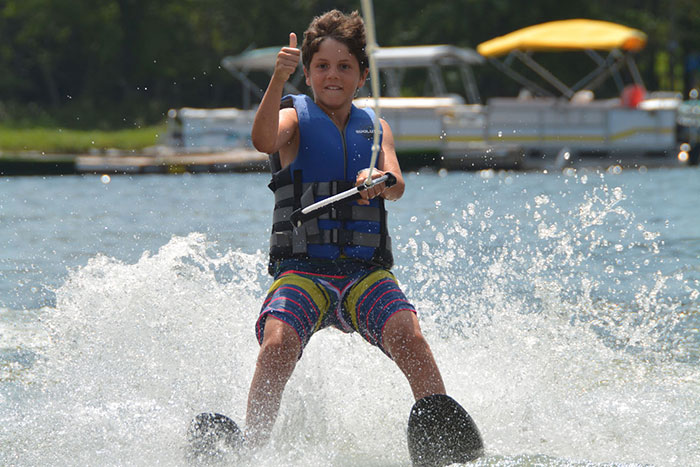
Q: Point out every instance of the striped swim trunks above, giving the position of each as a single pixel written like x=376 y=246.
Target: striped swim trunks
x=349 y=295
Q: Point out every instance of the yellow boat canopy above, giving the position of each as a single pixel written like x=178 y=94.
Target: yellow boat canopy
x=572 y=34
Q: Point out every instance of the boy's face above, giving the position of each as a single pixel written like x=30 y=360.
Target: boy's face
x=334 y=74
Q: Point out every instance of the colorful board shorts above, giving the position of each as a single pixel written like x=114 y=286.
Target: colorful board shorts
x=349 y=295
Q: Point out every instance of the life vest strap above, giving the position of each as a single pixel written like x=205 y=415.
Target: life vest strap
x=339 y=237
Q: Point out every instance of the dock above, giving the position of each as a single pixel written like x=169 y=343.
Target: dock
x=151 y=161
x=167 y=161
x=235 y=160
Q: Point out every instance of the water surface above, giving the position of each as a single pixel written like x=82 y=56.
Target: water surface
x=562 y=309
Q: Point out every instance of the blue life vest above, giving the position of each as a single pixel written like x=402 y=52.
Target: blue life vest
x=327 y=163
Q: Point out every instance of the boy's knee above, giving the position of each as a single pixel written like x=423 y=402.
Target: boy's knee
x=402 y=330
x=280 y=341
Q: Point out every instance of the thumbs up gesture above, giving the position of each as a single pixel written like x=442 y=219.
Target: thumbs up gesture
x=287 y=59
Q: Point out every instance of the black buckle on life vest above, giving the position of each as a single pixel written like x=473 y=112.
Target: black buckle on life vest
x=341 y=237
x=340 y=213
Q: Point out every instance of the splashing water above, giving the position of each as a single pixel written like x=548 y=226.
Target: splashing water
x=564 y=343
x=557 y=325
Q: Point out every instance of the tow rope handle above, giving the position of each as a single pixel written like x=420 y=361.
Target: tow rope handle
x=299 y=216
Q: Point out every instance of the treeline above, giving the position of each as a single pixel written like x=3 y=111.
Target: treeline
x=117 y=63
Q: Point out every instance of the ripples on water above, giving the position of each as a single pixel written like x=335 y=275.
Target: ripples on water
x=562 y=309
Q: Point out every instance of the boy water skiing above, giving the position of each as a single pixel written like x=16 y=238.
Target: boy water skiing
x=334 y=271
x=325 y=282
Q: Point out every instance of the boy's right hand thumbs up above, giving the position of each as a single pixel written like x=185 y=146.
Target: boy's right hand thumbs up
x=288 y=59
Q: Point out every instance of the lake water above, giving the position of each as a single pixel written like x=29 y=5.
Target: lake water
x=563 y=310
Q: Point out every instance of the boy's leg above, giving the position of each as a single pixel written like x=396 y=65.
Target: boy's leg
x=277 y=358
x=405 y=343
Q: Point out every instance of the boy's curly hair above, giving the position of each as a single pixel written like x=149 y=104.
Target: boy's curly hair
x=347 y=29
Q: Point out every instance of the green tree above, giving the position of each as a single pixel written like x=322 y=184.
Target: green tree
x=125 y=62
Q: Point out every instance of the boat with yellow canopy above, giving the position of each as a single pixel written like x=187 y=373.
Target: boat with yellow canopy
x=553 y=124
x=589 y=36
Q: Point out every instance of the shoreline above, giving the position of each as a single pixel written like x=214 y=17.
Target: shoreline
x=166 y=160
x=149 y=161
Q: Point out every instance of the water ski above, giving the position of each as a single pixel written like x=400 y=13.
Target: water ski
x=213 y=435
x=441 y=432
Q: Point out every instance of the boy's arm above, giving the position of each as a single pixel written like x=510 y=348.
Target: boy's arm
x=272 y=128
x=387 y=161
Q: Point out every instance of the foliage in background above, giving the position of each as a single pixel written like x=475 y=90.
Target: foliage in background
x=71 y=141
x=124 y=63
